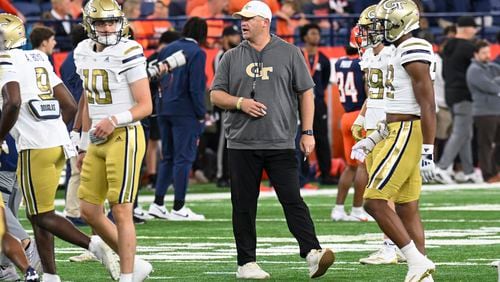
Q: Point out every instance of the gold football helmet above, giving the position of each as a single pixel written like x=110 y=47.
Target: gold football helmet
x=103 y=11
x=13 y=31
x=397 y=18
x=369 y=35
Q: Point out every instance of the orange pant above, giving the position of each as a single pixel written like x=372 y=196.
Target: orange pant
x=346 y=123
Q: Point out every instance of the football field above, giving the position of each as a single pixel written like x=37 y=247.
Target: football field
x=462 y=225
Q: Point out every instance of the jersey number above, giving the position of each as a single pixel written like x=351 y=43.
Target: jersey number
x=347 y=87
x=43 y=83
x=94 y=94
x=388 y=82
x=375 y=84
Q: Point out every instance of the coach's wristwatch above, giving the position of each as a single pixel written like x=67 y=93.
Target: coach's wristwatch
x=309 y=132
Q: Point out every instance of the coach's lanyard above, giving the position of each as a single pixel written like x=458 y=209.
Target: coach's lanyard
x=312 y=69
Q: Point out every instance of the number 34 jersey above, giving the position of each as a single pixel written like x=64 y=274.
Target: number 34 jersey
x=36 y=80
x=106 y=76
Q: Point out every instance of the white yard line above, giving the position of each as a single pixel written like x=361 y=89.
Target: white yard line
x=194 y=197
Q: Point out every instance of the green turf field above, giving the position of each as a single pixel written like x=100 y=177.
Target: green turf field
x=462 y=229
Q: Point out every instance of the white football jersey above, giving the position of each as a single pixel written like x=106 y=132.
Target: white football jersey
x=36 y=80
x=106 y=76
x=375 y=69
x=400 y=98
x=7 y=71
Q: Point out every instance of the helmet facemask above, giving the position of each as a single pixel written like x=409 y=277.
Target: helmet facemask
x=370 y=35
x=105 y=38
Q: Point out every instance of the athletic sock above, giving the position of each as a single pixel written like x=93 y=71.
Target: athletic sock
x=159 y=200
x=357 y=210
x=126 y=277
x=339 y=208
x=413 y=256
x=178 y=205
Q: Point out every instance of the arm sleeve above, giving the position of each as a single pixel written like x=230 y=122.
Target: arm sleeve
x=197 y=83
x=477 y=78
x=221 y=78
x=301 y=78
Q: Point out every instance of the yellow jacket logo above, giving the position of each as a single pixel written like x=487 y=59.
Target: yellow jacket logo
x=253 y=70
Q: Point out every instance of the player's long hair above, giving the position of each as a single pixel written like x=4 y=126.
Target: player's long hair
x=196 y=28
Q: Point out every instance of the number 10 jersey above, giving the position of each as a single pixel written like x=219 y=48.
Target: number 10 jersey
x=106 y=76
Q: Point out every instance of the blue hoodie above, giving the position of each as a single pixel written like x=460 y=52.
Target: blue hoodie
x=183 y=90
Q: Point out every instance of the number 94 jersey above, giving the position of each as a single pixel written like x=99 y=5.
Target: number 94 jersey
x=399 y=89
x=375 y=69
x=36 y=81
x=106 y=76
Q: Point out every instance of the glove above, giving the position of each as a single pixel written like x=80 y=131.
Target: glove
x=175 y=60
x=427 y=167
x=366 y=145
x=357 y=128
x=75 y=139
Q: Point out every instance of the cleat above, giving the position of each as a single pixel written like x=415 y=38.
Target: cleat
x=319 y=261
x=33 y=257
x=251 y=270
x=338 y=215
x=158 y=211
x=185 y=214
x=142 y=269
x=385 y=255
x=106 y=256
x=85 y=256
x=400 y=255
x=428 y=279
x=443 y=176
x=8 y=273
x=360 y=216
x=142 y=214
x=419 y=272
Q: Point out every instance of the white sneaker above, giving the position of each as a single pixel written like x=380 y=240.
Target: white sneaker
x=33 y=257
x=8 y=273
x=142 y=214
x=339 y=215
x=319 y=261
x=495 y=264
x=475 y=177
x=443 y=176
x=251 y=270
x=106 y=256
x=360 y=216
x=418 y=272
x=385 y=255
x=85 y=256
x=142 y=269
x=158 y=211
x=185 y=214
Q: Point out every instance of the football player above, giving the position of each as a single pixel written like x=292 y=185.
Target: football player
x=44 y=145
x=374 y=65
x=117 y=97
x=349 y=80
x=403 y=162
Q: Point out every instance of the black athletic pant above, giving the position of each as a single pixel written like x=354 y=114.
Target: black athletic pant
x=246 y=168
x=320 y=127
